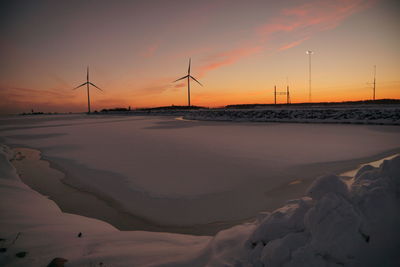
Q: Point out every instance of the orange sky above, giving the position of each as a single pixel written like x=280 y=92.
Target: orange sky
x=239 y=51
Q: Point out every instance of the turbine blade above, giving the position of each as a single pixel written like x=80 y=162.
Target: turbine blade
x=95 y=86
x=196 y=80
x=181 y=78
x=189 y=66
x=80 y=85
x=87 y=74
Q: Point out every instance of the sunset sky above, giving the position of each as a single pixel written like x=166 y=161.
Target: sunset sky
x=239 y=50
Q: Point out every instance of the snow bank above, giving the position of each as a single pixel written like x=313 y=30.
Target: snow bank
x=31 y=223
x=389 y=116
x=333 y=225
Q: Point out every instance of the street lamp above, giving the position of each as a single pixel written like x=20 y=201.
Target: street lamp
x=309 y=53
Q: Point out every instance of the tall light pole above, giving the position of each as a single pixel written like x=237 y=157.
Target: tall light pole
x=374 y=81
x=309 y=53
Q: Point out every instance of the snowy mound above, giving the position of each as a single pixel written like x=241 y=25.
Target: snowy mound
x=333 y=226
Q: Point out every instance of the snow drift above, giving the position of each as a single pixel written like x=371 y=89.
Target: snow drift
x=333 y=225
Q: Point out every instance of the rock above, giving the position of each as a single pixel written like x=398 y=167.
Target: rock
x=57 y=262
x=21 y=254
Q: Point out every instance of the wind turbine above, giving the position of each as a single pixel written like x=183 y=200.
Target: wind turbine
x=188 y=81
x=87 y=83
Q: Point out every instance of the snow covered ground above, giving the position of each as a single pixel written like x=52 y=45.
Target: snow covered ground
x=186 y=173
x=33 y=224
x=333 y=225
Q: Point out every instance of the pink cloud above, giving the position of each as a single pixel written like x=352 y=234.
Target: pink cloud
x=316 y=16
x=292 y=44
x=300 y=22
x=192 y=52
x=149 y=51
x=228 y=58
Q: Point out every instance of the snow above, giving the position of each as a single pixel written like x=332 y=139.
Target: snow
x=189 y=172
x=327 y=184
x=388 y=115
x=336 y=226
x=282 y=221
x=46 y=233
x=333 y=225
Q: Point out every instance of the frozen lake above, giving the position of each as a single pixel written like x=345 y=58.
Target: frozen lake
x=178 y=172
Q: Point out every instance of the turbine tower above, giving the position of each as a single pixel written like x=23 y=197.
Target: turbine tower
x=188 y=81
x=309 y=53
x=87 y=83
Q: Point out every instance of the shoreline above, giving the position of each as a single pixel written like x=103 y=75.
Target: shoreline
x=32 y=170
x=41 y=169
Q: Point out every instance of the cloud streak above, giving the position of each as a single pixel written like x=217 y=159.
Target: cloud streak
x=32 y=93
x=300 y=23
x=292 y=44
x=228 y=58
x=15 y=99
x=313 y=16
x=149 y=51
